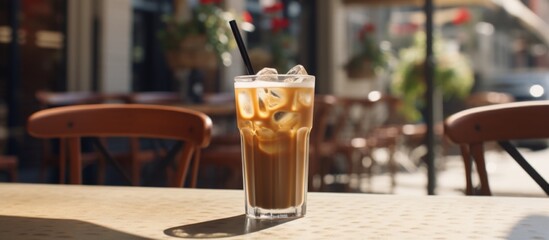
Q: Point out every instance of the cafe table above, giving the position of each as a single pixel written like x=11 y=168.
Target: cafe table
x=42 y=211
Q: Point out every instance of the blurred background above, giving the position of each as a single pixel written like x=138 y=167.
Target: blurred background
x=353 y=47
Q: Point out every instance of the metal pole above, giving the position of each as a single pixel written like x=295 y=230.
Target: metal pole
x=429 y=97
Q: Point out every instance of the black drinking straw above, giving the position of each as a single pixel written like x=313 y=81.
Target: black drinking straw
x=241 y=47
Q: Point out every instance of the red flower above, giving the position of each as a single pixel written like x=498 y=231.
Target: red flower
x=405 y=28
x=279 y=23
x=366 y=29
x=462 y=16
x=205 y=2
x=247 y=17
x=274 y=8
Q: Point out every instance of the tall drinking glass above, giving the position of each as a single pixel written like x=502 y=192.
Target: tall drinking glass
x=275 y=116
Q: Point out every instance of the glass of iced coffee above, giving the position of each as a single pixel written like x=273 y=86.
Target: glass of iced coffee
x=275 y=116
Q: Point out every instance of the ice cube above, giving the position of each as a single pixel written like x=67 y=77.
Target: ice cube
x=245 y=105
x=286 y=120
x=267 y=140
x=262 y=100
x=305 y=97
x=296 y=70
x=265 y=134
x=276 y=98
x=265 y=71
x=271 y=142
x=267 y=74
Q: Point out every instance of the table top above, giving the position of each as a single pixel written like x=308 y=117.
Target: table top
x=100 y=212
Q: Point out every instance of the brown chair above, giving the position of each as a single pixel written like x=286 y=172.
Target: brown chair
x=321 y=145
x=71 y=123
x=223 y=153
x=358 y=126
x=501 y=123
x=414 y=134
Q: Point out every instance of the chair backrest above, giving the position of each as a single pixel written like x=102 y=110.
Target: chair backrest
x=71 y=123
x=359 y=117
x=501 y=123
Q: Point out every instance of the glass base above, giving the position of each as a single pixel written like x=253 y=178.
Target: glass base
x=261 y=213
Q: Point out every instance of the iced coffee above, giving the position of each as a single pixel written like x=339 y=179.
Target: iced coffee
x=274 y=114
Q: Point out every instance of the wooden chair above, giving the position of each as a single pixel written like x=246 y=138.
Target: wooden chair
x=501 y=123
x=360 y=125
x=223 y=153
x=321 y=145
x=414 y=134
x=71 y=123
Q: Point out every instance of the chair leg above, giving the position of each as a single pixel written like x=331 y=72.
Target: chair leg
x=13 y=174
x=313 y=171
x=195 y=168
x=468 y=169
x=369 y=168
x=352 y=169
x=101 y=175
x=62 y=160
x=135 y=166
x=478 y=154
x=323 y=166
x=393 y=166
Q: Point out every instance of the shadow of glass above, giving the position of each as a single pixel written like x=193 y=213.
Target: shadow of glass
x=225 y=227
x=48 y=228
x=531 y=227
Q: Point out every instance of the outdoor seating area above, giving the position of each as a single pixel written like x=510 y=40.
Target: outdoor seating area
x=274 y=119
x=357 y=145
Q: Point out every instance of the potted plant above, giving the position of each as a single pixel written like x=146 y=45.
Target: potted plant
x=194 y=44
x=200 y=39
x=277 y=48
x=370 y=59
x=453 y=75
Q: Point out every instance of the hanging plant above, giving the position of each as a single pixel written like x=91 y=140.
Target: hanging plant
x=453 y=75
x=370 y=60
x=200 y=41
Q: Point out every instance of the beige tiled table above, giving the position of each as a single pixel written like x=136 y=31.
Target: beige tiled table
x=35 y=211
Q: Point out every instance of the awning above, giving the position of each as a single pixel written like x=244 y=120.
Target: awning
x=515 y=8
x=418 y=2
